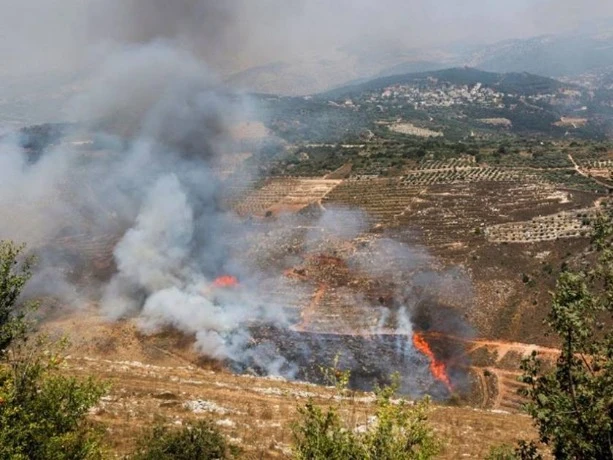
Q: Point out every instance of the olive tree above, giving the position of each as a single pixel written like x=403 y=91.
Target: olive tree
x=572 y=402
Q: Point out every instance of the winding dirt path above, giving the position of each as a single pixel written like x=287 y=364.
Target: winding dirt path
x=588 y=176
x=502 y=347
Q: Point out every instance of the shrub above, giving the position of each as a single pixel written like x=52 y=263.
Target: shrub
x=399 y=431
x=195 y=441
x=503 y=452
x=15 y=271
x=43 y=414
x=571 y=404
x=523 y=451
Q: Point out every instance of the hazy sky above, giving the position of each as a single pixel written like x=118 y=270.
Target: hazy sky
x=37 y=35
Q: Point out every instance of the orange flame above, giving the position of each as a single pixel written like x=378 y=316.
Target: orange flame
x=437 y=368
x=226 y=281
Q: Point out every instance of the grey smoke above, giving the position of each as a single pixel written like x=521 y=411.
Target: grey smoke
x=156 y=92
x=156 y=257
x=155 y=252
x=158 y=119
x=61 y=35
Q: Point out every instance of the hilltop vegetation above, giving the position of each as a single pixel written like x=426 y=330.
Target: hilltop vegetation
x=457 y=103
x=522 y=84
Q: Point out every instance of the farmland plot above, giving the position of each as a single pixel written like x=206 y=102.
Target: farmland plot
x=566 y=224
x=285 y=194
x=451 y=217
x=381 y=199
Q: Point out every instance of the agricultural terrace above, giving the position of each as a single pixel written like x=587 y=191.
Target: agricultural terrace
x=567 y=224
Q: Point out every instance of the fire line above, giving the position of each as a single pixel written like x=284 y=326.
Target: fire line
x=437 y=368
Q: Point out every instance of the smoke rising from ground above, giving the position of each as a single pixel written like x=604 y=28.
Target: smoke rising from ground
x=159 y=119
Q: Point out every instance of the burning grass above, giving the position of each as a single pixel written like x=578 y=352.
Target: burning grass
x=226 y=281
x=437 y=368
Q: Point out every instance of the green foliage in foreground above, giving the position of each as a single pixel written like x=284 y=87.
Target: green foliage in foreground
x=42 y=413
x=572 y=404
x=15 y=271
x=195 y=441
x=399 y=431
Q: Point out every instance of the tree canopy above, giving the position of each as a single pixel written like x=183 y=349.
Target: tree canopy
x=572 y=402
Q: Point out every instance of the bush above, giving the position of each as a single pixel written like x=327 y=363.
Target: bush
x=503 y=452
x=195 y=441
x=572 y=404
x=42 y=413
x=320 y=435
x=399 y=431
x=15 y=271
x=523 y=451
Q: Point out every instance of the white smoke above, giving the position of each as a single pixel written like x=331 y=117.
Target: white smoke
x=154 y=253
x=154 y=258
x=158 y=120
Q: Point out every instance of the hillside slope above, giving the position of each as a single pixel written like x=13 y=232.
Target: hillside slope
x=160 y=379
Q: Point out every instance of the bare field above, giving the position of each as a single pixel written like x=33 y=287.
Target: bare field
x=497 y=122
x=462 y=226
x=412 y=130
x=249 y=130
x=572 y=122
x=285 y=195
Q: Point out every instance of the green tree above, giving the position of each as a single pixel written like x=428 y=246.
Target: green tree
x=42 y=412
x=572 y=403
x=398 y=431
x=15 y=271
x=502 y=452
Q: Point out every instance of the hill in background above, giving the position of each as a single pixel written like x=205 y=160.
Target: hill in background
x=582 y=54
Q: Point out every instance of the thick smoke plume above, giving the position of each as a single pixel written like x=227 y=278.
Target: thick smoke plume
x=135 y=177
x=158 y=121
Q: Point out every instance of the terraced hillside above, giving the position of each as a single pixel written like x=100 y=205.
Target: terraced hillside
x=452 y=218
x=567 y=224
x=437 y=238
x=440 y=248
x=382 y=199
x=285 y=195
x=461 y=252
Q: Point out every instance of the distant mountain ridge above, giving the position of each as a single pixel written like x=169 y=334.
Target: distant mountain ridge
x=586 y=50
x=552 y=56
x=513 y=82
